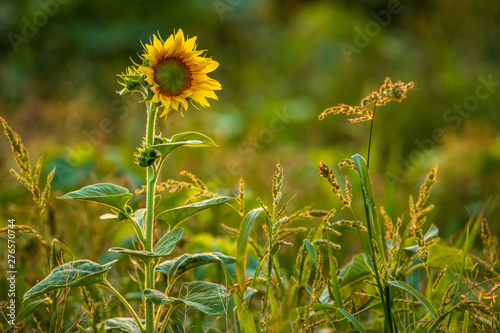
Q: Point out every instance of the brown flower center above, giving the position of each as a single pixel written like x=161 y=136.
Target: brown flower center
x=172 y=76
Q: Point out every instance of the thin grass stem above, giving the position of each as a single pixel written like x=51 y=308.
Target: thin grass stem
x=370 y=139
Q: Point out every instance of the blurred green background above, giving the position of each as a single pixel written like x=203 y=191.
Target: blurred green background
x=281 y=64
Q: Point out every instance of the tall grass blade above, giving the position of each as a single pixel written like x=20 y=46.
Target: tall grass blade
x=424 y=301
x=242 y=246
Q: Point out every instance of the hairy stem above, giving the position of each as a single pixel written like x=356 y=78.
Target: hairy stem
x=151 y=176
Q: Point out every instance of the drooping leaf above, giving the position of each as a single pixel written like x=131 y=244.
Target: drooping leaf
x=107 y=194
x=124 y=324
x=355 y=271
x=176 y=215
x=180 y=265
x=26 y=310
x=73 y=274
x=242 y=245
x=166 y=244
x=209 y=298
x=187 y=139
x=424 y=301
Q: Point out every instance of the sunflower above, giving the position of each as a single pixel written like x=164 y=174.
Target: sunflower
x=177 y=72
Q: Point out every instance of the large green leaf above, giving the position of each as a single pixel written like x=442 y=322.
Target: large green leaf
x=176 y=215
x=73 y=274
x=424 y=301
x=242 y=245
x=440 y=256
x=123 y=324
x=107 y=194
x=209 y=298
x=163 y=248
x=355 y=271
x=180 y=265
x=187 y=139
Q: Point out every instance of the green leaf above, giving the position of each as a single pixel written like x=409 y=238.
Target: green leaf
x=187 y=139
x=180 y=265
x=242 y=245
x=145 y=256
x=73 y=274
x=107 y=194
x=417 y=294
x=159 y=298
x=123 y=324
x=164 y=247
x=440 y=256
x=345 y=313
x=312 y=252
x=139 y=216
x=352 y=319
x=209 y=298
x=166 y=244
x=31 y=307
x=355 y=271
x=176 y=215
x=370 y=208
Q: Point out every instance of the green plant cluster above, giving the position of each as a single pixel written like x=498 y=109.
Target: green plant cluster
x=405 y=279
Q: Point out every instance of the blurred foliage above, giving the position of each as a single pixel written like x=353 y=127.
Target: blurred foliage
x=281 y=64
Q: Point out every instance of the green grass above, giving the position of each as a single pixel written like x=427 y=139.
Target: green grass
x=270 y=268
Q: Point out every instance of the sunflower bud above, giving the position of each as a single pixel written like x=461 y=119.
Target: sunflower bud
x=146 y=156
x=158 y=140
x=122 y=216
x=132 y=81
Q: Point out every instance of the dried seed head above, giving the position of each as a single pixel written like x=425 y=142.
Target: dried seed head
x=439 y=277
x=277 y=183
x=352 y=224
x=425 y=189
x=423 y=251
x=332 y=231
x=389 y=226
x=198 y=182
x=364 y=114
x=327 y=173
x=327 y=243
x=347 y=163
x=387 y=92
x=490 y=243
x=240 y=199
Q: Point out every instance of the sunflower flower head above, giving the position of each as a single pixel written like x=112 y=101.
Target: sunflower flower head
x=173 y=73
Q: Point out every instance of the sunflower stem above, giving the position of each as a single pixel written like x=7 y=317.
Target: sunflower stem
x=151 y=176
